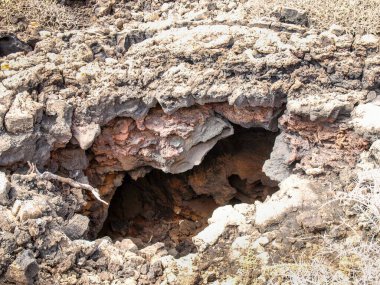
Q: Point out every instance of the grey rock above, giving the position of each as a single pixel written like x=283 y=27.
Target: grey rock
x=277 y=167
x=324 y=106
x=9 y=44
x=32 y=209
x=155 y=270
x=23 y=269
x=16 y=148
x=77 y=227
x=199 y=144
x=292 y=16
x=295 y=194
x=154 y=251
x=72 y=159
x=23 y=114
x=57 y=122
x=144 y=269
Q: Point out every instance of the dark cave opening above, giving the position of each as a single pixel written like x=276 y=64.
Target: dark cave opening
x=172 y=208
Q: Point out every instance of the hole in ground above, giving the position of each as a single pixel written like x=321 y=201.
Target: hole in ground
x=172 y=208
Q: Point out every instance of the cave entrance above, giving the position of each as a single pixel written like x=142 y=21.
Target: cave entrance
x=172 y=208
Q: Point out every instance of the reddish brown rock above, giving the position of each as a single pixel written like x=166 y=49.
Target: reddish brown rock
x=173 y=143
x=249 y=117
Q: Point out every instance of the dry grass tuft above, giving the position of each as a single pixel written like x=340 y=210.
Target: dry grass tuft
x=356 y=16
x=353 y=260
x=364 y=200
x=318 y=271
x=41 y=13
x=337 y=264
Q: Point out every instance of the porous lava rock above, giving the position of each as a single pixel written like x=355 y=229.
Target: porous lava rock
x=155 y=85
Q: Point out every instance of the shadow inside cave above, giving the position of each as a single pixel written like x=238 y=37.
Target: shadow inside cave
x=172 y=208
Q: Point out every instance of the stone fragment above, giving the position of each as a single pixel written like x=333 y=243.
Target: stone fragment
x=263 y=258
x=277 y=168
x=23 y=269
x=370 y=159
x=369 y=41
x=295 y=194
x=366 y=120
x=239 y=247
x=128 y=281
x=77 y=227
x=127 y=245
x=324 y=106
x=249 y=117
x=133 y=259
x=155 y=270
x=103 y=7
x=182 y=270
x=374 y=152
x=72 y=159
x=58 y=121
x=86 y=135
x=30 y=210
x=228 y=216
x=23 y=114
x=154 y=251
x=5 y=186
x=17 y=148
x=311 y=221
x=221 y=218
x=37 y=227
x=6 y=99
x=291 y=15
x=8 y=221
x=209 y=236
x=371 y=72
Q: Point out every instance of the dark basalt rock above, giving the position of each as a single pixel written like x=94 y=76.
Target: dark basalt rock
x=11 y=44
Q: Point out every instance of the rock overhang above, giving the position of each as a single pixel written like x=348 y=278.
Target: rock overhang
x=250 y=73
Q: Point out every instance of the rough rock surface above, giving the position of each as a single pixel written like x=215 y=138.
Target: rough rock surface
x=156 y=86
x=171 y=143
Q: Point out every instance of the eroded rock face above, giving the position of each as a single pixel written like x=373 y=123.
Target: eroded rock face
x=177 y=64
x=171 y=143
x=156 y=85
x=173 y=208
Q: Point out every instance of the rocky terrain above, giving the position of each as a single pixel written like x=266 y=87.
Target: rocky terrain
x=172 y=142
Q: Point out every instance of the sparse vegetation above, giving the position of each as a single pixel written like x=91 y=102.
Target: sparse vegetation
x=341 y=262
x=364 y=200
x=43 y=13
x=356 y=16
x=336 y=264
